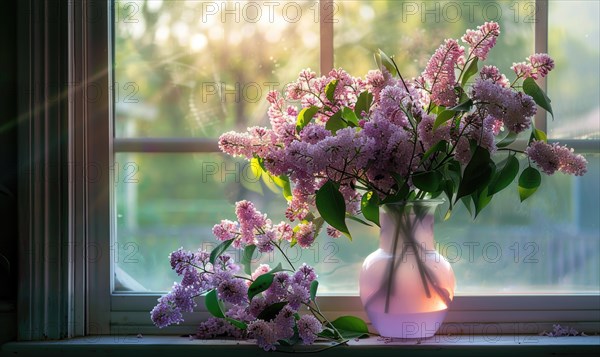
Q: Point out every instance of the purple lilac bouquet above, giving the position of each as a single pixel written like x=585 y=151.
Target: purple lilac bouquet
x=346 y=146
x=355 y=144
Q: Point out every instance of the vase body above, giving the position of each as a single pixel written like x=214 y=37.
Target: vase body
x=406 y=285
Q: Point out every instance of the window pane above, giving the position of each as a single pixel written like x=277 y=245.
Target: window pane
x=199 y=68
x=167 y=201
x=547 y=244
x=574 y=43
x=413 y=30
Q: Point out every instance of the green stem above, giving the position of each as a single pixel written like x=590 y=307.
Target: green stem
x=284 y=255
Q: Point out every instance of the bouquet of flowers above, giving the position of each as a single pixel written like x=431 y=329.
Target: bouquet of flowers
x=346 y=146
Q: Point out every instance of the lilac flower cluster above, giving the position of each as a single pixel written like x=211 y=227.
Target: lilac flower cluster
x=537 y=66
x=254 y=228
x=369 y=149
x=200 y=276
x=554 y=157
x=514 y=108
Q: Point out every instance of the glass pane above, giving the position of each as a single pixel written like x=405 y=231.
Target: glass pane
x=413 y=30
x=199 y=68
x=547 y=244
x=574 y=43
x=167 y=201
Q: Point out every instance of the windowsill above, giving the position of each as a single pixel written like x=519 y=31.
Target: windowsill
x=459 y=345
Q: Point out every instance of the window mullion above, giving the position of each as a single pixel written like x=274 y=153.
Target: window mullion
x=326 y=34
x=541 y=46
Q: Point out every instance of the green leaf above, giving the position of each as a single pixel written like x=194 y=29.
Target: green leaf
x=351 y=326
x=463 y=107
x=330 y=89
x=481 y=199
x=335 y=123
x=356 y=219
x=318 y=224
x=363 y=103
x=284 y=182
x=350 y=117
x=263 y=282
x=220 y=249
x=332 y=207
x=505 y=176
x=477 y=174
x=441 y=145
x=402 y=192
x=538 y=135
x=531 y=88
x=211 y=301
x=529 y=181
x=508 y=139
x=382 y=59
x=259 y=285
x=255 y=167
x=453 y=171
x=239 y=324
x=467 y=202
x=370 y=207
x=448 y=186
x=427 y=181
x=305 y=116
x=443 y=117
x=314 y=285
x=247 y=258
x=471 y=70
x=271 y=311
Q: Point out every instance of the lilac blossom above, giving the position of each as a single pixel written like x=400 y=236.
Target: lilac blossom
x=439 y=72
x=537 y=66
x=554 y=157
x=482 y=40
x=515 y=109
x=308 y=328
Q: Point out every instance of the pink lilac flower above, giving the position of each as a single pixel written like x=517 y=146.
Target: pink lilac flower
x=297 y=295
x=181 y=260
x=390 y=105
x=264 y=241
x=439 y=72
x=308 y=329
x=305 y=234
x=553 y=157
x=226 y=230
x=236 y=144
x=166 y=313
x=542 y=63
x=233 y=291
x=482 y=40
x=515 y=109
x=257 y=305
x=430 y=137
x=523 y=70
x=305 y=275
x=537 y=66
x=264 y=334
x=493 y=73
x=225 y=264
x=262 y=269
x=211 y=328
x=279 y=288
x=249 y=219
x=284 y=232
x=284 y=322
x=333 y=233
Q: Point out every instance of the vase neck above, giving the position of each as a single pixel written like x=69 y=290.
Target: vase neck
x=406 y=225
